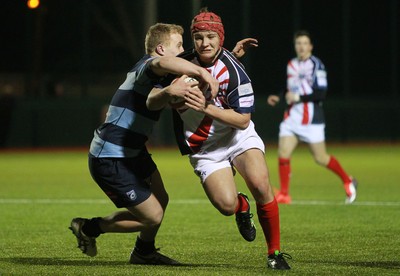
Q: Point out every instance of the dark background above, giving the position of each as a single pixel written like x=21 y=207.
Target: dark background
x=60 y=63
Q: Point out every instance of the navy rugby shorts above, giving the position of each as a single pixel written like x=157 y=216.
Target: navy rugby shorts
x=123 y=180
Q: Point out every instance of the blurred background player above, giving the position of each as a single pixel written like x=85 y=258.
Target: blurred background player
x=218 y=134
x=304 y=117
x=119 y=161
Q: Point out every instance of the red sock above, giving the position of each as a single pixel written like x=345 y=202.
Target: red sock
x=335 y=166
x=268 y=216
x=243 y=204
x=284 y=174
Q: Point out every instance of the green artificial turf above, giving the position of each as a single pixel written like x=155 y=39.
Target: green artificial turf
x=41 y=191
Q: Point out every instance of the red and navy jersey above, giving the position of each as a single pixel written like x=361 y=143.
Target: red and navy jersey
x=195 y=131
x=308 y=78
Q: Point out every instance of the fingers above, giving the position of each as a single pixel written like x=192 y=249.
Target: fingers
x=195 y=99
x=214 y=87
x=250 y=42
x=195 y=94
x=180 y=86
x=273 y=100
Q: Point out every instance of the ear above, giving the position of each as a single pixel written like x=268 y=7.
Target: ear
x=160 y=49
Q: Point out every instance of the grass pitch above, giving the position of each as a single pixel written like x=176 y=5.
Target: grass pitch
x=40 y=192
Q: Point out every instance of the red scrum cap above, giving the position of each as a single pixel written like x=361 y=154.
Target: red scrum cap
x=208 y=21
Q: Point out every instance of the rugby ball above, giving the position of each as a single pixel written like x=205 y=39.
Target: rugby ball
x=178 y=102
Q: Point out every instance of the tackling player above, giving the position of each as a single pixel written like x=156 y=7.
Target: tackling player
x=119 y=161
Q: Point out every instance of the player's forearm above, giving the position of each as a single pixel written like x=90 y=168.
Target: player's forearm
x=315 y=96
x=158 y=98
x=228 y=117
x=177 y=66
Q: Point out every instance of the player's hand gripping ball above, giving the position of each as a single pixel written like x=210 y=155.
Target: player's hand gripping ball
x=179 y=103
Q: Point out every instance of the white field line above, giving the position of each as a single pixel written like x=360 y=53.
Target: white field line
x=186 y=201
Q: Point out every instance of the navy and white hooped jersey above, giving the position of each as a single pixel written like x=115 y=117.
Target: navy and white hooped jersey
x=195 y=131
x=128 y=123
x=308 y=78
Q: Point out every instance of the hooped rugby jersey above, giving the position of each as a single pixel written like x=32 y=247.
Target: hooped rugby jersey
x=307 y=78
x=128 y=123
x=195 y=131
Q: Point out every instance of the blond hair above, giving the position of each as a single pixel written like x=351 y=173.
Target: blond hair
x=160 y=34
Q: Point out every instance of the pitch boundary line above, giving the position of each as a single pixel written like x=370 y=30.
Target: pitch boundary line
x=187 y=201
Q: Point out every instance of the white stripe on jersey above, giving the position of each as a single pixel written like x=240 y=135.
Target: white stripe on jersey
x=302 y=78
x=201 y=131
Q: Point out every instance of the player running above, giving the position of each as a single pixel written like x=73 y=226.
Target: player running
x=218 y=134
x=304 y=117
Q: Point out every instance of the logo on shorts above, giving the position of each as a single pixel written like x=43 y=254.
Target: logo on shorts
x=200 y=173
x=131 y=194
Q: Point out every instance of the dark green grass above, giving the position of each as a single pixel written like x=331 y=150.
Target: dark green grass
x=41 y=191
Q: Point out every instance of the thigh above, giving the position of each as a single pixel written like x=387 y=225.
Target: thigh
x=286 y=146
x=318 y=151
x=149 y=211
x=120 y=180
x=253 y=168
x=158 y=188
x=205 y=164
x=221 y=190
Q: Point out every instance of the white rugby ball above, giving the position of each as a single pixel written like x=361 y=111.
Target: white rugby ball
x=189 y=79
x=202 y=86
x=178 y=102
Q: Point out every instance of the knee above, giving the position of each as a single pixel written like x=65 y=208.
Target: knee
x=227 y=211
x=262 y=191
x=284 y=153
x=322 y=160
x=155 y=219
x=227 y=208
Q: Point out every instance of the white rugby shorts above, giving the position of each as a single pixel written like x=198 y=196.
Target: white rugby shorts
x=221 y=154
x=307 y=133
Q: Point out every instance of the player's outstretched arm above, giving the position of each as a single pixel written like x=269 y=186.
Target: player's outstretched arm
x=292 y=98
x=243 y=45
x=179 y=66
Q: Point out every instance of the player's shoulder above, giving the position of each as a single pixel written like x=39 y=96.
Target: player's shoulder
x=143 y=62
x=292 y=61
x=229 y=59
x=318 y=62
x=226 y=53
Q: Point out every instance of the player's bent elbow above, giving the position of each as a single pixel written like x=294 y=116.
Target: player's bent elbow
x=243 y=121
x=243 y=125
x=153 y=105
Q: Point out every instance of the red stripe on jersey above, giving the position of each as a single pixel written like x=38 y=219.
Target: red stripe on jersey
x=220 y=73
x=291 y=65
x=306 y=115
x=223 y=69
x=225 y=81
x=285 y=115
x=200 y=135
